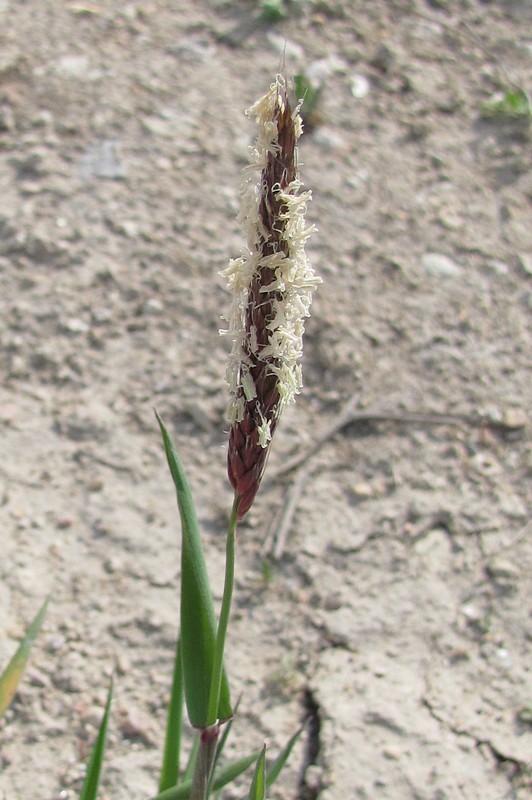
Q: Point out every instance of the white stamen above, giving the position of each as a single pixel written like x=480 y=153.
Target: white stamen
x=294 y=279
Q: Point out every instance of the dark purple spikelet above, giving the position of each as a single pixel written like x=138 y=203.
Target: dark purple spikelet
x=272 y=286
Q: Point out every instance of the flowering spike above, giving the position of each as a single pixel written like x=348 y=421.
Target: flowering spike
x=272 y=285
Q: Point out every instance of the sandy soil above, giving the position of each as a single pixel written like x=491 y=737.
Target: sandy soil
x=399 y=607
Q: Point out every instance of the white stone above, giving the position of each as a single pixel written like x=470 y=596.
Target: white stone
x=440 y=265
x=359 y=86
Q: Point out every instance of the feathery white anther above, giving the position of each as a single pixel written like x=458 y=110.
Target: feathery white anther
x=294 y=280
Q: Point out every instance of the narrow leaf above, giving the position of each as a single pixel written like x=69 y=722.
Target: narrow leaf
x=258 y=785
x=89 y=790
x=224 y=737
x=198 y=620
x=224 y=776
x=192 y=757
x=275 y=768
x=174 y=721
x=232 y=770
x=10 y=678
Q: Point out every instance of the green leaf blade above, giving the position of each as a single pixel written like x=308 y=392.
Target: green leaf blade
x=198 y=620
x=91 y=783
x=275 y=769
x=224 y=776
x=258 y=785
x=12 y=675
x=174 y=721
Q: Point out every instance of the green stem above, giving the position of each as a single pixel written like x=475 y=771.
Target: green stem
x=208 y=739
x=218 y=661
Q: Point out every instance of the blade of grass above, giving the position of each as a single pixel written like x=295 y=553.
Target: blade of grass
x=258 y=785
x=275 y=768
x=224 y=737
x=198 y=620
x=232 y=770
x=11 y=676
x=89 y=790
x=192 y=757
x=174 y=721
x=225 y=775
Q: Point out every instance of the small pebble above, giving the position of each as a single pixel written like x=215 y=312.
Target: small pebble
x=362 y=490
x=102 y=160
x=450 y=219
x=7 y=118
x=159 y=127
x=497 y=267
x=153 y=307
x=502 y=570
x=92 y=716
x=129 y=228
x=37 y=678
x=113 y=565
x=392 y=753
x=75 y=326
x=137 y=724
x=514 y=418
x=123 y=664
x=440 y=265
x=73 y=66
x=359 y=86
x=525 y=262
x=472 y=613
x=384 y=59
x=101 y=314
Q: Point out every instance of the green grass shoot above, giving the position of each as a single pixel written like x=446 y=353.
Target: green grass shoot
x=198 y=620
x=174 y=723
x=224 y=776
x=275 y=768
x=273 y=10
x=510 y=104
x=91 y=783
x=258 y=785
x=11 y=676
x=311 y=96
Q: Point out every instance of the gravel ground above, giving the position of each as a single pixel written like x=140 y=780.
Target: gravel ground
x=396 y=604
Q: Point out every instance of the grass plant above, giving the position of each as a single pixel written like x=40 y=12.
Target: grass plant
x=511 y=103
x=277 y=10
x=311 y=96
x=273 y=10
x=12 y=674
x=271 y=285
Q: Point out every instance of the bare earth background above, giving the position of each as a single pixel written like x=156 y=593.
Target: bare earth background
x=399 y=610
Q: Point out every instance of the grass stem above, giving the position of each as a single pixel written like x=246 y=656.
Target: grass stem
x=218 y=662
x=204 y=763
